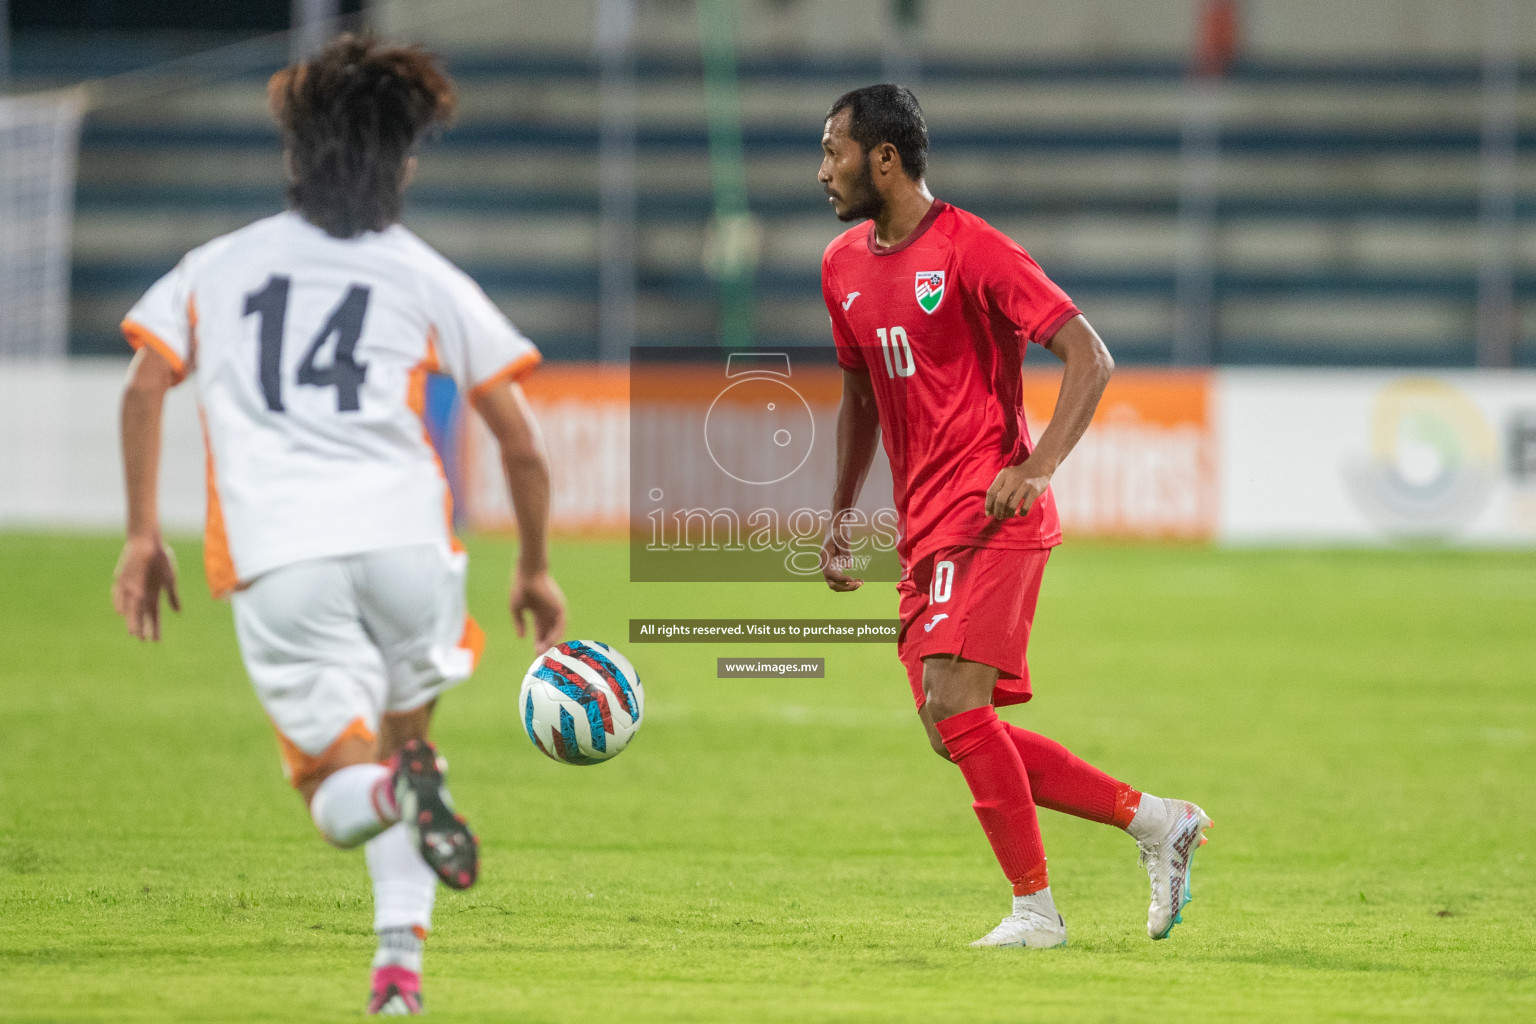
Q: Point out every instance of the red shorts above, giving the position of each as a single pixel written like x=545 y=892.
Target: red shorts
x=978 y=603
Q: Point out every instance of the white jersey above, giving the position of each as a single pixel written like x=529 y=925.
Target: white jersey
x=311 y=355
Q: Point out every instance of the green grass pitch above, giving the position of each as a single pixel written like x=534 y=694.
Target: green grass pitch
x=1362 y=726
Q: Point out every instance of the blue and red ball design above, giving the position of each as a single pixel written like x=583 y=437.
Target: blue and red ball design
x=581 y=702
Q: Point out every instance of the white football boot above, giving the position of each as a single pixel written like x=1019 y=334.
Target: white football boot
x=1168 y=832
x=1034 y=923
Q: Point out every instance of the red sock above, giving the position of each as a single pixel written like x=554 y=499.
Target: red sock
x=978 y=744
x=1062 y=781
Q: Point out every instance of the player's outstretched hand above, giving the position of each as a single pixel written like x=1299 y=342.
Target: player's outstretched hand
x=145 y=569
x=834 y=555
x=537 y=592
x=1015 y=489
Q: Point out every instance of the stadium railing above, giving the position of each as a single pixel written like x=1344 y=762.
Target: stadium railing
x=1346 y=217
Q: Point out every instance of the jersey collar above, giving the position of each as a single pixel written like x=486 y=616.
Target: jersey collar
x=923 y=225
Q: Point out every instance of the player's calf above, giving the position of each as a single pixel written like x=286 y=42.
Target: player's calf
x=404 y=891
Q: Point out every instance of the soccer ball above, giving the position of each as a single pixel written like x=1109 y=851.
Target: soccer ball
x=581 y=702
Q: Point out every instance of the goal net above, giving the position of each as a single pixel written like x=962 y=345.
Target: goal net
x=39 y=137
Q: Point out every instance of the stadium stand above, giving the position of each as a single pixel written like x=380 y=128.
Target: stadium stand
x=1347 y=204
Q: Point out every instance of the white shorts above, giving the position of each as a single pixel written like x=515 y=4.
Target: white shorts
x=331 y=644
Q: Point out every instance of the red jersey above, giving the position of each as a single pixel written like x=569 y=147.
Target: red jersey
x=939 y=322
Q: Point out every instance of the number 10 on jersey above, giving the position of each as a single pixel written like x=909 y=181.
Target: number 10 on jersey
x=897 y=352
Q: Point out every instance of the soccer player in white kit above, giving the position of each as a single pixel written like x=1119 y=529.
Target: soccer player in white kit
x=310 y=335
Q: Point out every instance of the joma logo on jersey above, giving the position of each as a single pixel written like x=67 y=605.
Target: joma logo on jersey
x=930 y=289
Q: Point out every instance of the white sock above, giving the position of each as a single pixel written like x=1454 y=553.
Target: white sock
x=354 y=804
x=1151 y=819
x=404 y=889
x=1041 y=903
x=399 y=947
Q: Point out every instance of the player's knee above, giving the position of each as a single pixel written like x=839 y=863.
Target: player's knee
x=942 y=704
x=952 y=686
x=925 y=715
x=937 y=743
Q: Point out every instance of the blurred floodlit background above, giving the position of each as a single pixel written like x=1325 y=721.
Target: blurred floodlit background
x=1342 y=193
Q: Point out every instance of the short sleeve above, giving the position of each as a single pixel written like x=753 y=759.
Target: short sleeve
x=849 y=357
x=477 y=345
x=164 y=320
x=1012 y=285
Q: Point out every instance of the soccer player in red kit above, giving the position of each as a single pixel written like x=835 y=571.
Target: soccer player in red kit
x=931 y=309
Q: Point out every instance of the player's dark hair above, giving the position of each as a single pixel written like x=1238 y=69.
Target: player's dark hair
x=887 y=113
x=351 y=116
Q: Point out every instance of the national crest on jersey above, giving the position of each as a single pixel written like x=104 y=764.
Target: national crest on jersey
x=930 y=289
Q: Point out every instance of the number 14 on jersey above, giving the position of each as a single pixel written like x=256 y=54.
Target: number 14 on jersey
x=345 y=373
